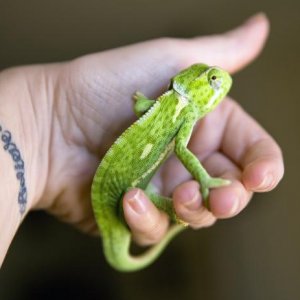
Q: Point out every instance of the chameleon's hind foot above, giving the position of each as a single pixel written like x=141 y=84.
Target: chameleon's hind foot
x=163 y=203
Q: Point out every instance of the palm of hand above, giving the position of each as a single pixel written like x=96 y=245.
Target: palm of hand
x=92 y=106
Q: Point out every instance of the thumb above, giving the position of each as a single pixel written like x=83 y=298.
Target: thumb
x=231 y=50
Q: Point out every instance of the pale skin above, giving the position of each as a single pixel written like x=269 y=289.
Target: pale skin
x=66 y=116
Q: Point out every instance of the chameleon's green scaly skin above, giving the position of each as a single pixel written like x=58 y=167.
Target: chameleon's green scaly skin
x=165 y=125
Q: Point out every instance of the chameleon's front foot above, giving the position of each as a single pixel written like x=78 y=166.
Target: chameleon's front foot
x=211 y=182
x=142 y=103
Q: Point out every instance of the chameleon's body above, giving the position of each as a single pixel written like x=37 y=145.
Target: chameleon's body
x=165 y=125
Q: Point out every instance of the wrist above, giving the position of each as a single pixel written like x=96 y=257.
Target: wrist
x=24 y=133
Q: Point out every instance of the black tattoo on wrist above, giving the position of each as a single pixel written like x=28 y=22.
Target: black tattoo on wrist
x=15 y=154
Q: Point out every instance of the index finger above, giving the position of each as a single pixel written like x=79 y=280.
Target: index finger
x=253 y=149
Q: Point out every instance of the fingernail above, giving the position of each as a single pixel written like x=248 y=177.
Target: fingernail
x=266 y=183
x=137 y=203
x=192 y=203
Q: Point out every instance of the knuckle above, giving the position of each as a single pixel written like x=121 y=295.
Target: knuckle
x=190 y=214
x=153 y=231
x=198 y=219
x=204 y=220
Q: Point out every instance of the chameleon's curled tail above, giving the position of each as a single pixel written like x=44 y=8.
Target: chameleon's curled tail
x=116 y=245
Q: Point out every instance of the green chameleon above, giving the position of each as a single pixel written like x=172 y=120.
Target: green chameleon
x=165 y=125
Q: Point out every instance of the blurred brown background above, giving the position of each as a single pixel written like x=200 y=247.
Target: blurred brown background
x=252 y=256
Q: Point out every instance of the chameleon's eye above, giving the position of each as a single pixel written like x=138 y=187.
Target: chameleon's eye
x=214 y=77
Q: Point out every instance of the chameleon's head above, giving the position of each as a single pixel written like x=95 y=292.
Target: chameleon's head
x=205 y=86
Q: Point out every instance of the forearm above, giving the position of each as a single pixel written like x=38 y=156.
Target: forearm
x=18 y=193
x=10 y=216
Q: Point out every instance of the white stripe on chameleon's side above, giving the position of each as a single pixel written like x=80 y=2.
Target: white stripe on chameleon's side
x=181 y=104
x=155 y=165
x=146 y=151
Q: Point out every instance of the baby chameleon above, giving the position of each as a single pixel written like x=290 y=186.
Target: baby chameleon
x=165 y=125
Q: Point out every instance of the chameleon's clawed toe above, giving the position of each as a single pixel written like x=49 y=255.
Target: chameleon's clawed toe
x=214 y=182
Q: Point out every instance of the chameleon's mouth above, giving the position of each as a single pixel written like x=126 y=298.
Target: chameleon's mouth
x=216 y=95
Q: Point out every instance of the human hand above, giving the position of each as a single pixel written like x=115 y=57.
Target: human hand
x=87 y=104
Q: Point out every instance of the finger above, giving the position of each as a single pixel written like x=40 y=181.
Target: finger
x=96 y=77
x=263 y=166
x=188 y=206
x=158 y=60
x=232 y=50
x=244 y=141
x=229 y=200
x=250 y=146
x=224 y=201
x=147 y=223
